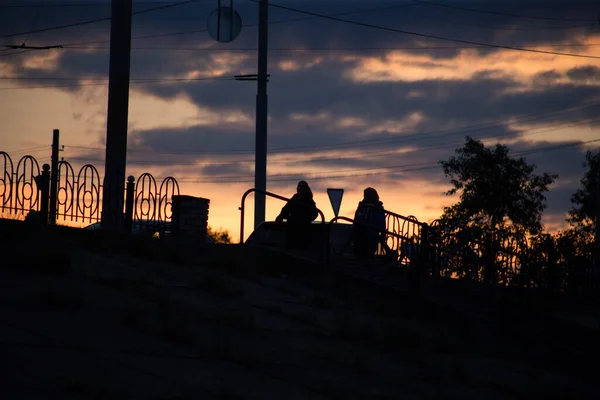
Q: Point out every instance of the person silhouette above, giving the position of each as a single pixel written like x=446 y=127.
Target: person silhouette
x=299 y=212
x=369 y=225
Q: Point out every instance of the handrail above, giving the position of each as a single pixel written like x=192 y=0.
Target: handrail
x=410 y=218
x=399 y=236
x=338 y=218
x=276 y=196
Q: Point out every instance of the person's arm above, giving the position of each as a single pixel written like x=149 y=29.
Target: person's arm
x=313 y=210
x=285 y=211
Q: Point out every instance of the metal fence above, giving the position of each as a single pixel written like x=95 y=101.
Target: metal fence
x=25 y=187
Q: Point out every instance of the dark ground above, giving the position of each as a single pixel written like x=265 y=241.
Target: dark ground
x=92 y=316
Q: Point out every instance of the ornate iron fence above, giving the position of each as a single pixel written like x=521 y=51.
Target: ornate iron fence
x=79 y=192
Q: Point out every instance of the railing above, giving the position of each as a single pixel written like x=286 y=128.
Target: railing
x=460 y=253
x=78 y=194
x=399 y=238
x=276 y=196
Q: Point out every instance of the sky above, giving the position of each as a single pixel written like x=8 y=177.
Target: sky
x=375 y=96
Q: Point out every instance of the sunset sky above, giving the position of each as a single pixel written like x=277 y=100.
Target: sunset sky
x=350 y=106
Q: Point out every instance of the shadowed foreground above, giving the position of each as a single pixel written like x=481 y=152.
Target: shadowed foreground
x=112 y=325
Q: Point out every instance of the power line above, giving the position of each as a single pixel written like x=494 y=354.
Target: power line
x=402 y=139
x=35 y=19
x=424 y=165
x=253 y=25
x=59 y=5
x=47 y=78
x=171 y=4
x=405 y=168
x=349 y=156
x=421 y=150
x=324 y=49
x=552 y=148
x=282 y=21
x=396 y=169
x=424 y=35
x=93 y=21
x=455 y=7
x=139 y=81
x=27 y=149
x=15 y=52
x=498 y=28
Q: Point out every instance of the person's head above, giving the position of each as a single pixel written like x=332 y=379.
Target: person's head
x=370 y=195
x=303 y=188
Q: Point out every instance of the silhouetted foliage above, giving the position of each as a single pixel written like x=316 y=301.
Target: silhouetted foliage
x=583 y=214
x=574 y=250
x=219 y=236
x=497 y=192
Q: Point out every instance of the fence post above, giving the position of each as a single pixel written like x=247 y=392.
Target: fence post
x=129 y=200
x=325 y=247
x=417 y=269
x=43 y=183
x=424 y=249
x=434 y=253
x=54 y=178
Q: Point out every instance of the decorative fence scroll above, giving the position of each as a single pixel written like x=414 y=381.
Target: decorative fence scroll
x=79 y=193
x=18 y=192
x=152 y=204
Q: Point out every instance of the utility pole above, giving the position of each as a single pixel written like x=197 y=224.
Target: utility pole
x=113 y=191
x=260 y=151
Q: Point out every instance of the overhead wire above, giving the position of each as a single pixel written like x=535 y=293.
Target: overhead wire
x=461 y=8
x=312 y=16
x=353 y=22
x=314 y=49
x=397 y=169
x=9 y=152
x=35 y=19
x=400 y=140
x=79 y=5
x=420 y=150
x=96 y=20
x=427 y=36
x=11 y=53
x=271 y=22
x=414 y=165
x=500 y=28
x=104 y=82
x=401 y=150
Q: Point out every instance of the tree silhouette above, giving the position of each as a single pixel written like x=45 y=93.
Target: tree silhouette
x=498 y=193
x=218 y=235
x=500 y=205
x=583 y=214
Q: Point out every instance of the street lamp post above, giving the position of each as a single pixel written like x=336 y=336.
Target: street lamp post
x=113 y=190
x=260 y=151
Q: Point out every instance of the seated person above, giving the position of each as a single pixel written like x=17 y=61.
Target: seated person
x=369 y=225
x=299 y=212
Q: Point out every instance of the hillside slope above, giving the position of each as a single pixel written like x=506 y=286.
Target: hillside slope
x=108 y=325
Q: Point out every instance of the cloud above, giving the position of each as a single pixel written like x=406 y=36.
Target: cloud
x=588 y=73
